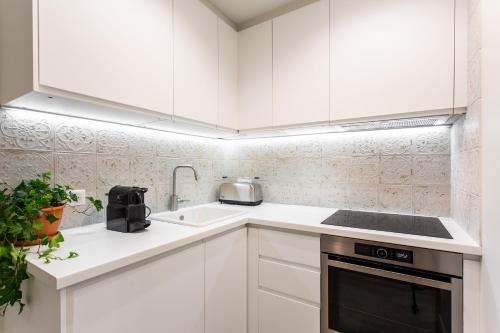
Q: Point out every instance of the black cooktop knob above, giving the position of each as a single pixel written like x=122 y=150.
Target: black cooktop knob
x=382 y=253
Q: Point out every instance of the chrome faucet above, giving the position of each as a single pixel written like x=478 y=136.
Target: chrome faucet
x=174 y=199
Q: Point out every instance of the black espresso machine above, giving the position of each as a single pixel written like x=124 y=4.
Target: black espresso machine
x=126 y=211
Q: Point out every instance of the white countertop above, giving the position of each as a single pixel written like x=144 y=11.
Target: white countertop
x=102 y=251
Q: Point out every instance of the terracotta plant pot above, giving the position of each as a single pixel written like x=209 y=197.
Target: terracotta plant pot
x=51 y=229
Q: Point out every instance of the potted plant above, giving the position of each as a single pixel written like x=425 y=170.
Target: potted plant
x=30 y=214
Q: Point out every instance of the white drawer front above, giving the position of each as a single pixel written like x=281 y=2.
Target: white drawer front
x=281 y=315
x=290 y=280
x=296 y=248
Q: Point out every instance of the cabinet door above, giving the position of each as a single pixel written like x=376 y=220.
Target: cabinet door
x=164 y=295
x=278 y=314
x=226 y=283
x=255 y=76
x=115 y=50
x=228 y=76
x=195 y=61
x=301 y=65
x=391 y=57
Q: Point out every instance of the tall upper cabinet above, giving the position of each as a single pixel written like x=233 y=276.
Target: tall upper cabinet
x=301 y=65
x=255 y=76
x=392 y=57
x=228 y=76
x=196 y=61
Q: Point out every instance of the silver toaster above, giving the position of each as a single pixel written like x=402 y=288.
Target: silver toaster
x=240 y=193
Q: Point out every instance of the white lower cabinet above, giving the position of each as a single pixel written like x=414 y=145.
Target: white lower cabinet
x=197 y=289
x=164 y=295
x=284 y=282
x=279 y=314
x=226 y=283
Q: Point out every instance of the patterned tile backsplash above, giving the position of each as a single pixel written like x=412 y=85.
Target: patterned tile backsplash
x=404 y=171
x=466 y=139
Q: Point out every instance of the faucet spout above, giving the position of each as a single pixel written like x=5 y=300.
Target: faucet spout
x=174 y=200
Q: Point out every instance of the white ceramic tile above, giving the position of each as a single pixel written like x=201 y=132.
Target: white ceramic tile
x=25 y=130
x=226 y=168
x=363 y=197
x=112 y=141
x=335 y=169
x=431 y=200
x=395 y=169
x=113 y=170
x=294 y=168
x=474 y=78
x=396 y=143
x=365 y=143
x=143 y=171
x=75 y=136
x=142 y=144
x=431 y=169
x=395 y=199
x=76 y=170
x=16 y=165
x=335 y=195
x=257 y=168
x=364 y=170
x=432 y=141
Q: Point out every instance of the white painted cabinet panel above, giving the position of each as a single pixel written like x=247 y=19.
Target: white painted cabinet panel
x=292 y=247
x=391 y=57
x=278 y=314
x=226 y=283
x=196 y=62
x=300 y=282
x=165 y=295
x=228 y=76
x=255 y=76
x=115 y=50
x=461 y=52
x=301 y=65
x=283 y=282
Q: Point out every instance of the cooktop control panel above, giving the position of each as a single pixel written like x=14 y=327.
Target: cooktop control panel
x=386 y=253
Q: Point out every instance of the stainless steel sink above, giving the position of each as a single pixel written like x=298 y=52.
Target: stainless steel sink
x=197 y=216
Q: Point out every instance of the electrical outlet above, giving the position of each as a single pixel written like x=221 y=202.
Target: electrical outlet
x=81 y=198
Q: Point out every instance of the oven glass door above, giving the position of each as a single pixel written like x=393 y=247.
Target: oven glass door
x=372 y=300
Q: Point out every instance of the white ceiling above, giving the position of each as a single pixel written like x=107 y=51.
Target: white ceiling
x=240 y=11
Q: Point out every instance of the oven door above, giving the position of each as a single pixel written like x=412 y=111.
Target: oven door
x=359 y=298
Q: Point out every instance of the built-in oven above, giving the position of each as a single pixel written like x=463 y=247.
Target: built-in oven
x=372 y=287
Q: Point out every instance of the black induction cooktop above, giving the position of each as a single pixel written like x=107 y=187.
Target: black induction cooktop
x=404 y=224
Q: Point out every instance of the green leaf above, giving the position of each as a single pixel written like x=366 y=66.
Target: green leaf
x=56 y=240
x=51 y=218
x=72 y=255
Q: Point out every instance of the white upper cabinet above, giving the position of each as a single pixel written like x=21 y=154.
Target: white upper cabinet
x=391 y=57
x=115 y=50
x=255 y=76
x=196 y=62
x=228 y=76
x=301 y=65
x=461 y=52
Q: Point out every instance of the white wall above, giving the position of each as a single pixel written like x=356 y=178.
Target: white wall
x=490 y=275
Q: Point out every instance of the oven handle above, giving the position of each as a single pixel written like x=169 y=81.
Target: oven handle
x=390 y=275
